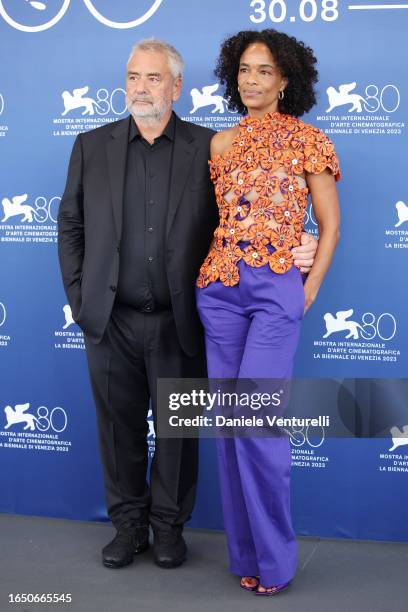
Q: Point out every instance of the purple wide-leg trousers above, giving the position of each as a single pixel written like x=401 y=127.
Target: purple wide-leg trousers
x=252 y=331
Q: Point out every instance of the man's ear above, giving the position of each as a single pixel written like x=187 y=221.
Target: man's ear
x=177 y=88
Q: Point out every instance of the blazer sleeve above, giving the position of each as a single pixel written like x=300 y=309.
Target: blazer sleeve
x=71 y=238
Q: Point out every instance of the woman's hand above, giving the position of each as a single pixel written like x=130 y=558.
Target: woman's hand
x=311 y=290
x=304 y=254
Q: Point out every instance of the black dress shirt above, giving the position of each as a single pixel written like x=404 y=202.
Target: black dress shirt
x=143 y=281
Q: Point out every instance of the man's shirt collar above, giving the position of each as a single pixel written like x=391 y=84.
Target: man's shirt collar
x=168 y=131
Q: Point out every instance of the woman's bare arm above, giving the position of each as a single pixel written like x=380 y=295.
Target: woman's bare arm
x=327 y=212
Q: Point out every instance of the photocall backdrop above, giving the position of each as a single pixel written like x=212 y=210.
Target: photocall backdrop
x=62 y=72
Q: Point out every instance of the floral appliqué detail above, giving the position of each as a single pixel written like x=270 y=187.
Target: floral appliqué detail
x=261 y=191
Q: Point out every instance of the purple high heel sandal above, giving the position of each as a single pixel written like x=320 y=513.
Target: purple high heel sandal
x=276 y=589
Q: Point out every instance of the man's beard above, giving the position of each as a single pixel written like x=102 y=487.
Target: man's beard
x=147 y=113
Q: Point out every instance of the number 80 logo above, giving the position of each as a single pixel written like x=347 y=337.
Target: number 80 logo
x=46 y=210
x=91 y=8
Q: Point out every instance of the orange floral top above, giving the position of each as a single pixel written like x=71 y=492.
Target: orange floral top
x=262 y=194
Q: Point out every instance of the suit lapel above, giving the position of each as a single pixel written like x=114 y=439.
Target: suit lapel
x=116 y=150
x=183 y=155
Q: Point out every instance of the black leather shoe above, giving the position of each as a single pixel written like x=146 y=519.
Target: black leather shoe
x=169 y=549
x=125 y=545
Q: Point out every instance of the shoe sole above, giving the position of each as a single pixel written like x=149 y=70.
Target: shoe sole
x=170 y=564
x=128 y=560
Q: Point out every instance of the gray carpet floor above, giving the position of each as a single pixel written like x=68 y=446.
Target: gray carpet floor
x=41 y=555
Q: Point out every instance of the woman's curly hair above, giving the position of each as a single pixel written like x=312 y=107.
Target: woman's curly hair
x=295 y=61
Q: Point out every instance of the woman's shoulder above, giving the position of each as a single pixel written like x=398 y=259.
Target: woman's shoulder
x=317 y=148
x=222 y=141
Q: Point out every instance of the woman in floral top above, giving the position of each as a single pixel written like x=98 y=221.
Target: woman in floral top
x=250 y=295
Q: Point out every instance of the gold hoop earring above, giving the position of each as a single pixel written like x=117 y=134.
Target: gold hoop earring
x=281 y=94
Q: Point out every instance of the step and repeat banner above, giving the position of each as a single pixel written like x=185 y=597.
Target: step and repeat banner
x=63 y=72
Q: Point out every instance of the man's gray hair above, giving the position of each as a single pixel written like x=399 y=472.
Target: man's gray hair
x=154 y=44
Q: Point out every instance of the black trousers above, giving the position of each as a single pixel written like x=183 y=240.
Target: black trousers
x=136 y=350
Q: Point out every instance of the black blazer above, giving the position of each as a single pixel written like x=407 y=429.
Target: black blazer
x=90 y=225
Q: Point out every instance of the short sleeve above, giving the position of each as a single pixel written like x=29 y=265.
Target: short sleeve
x=320 y=154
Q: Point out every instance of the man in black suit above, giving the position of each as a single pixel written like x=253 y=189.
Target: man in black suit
x=135 y=223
